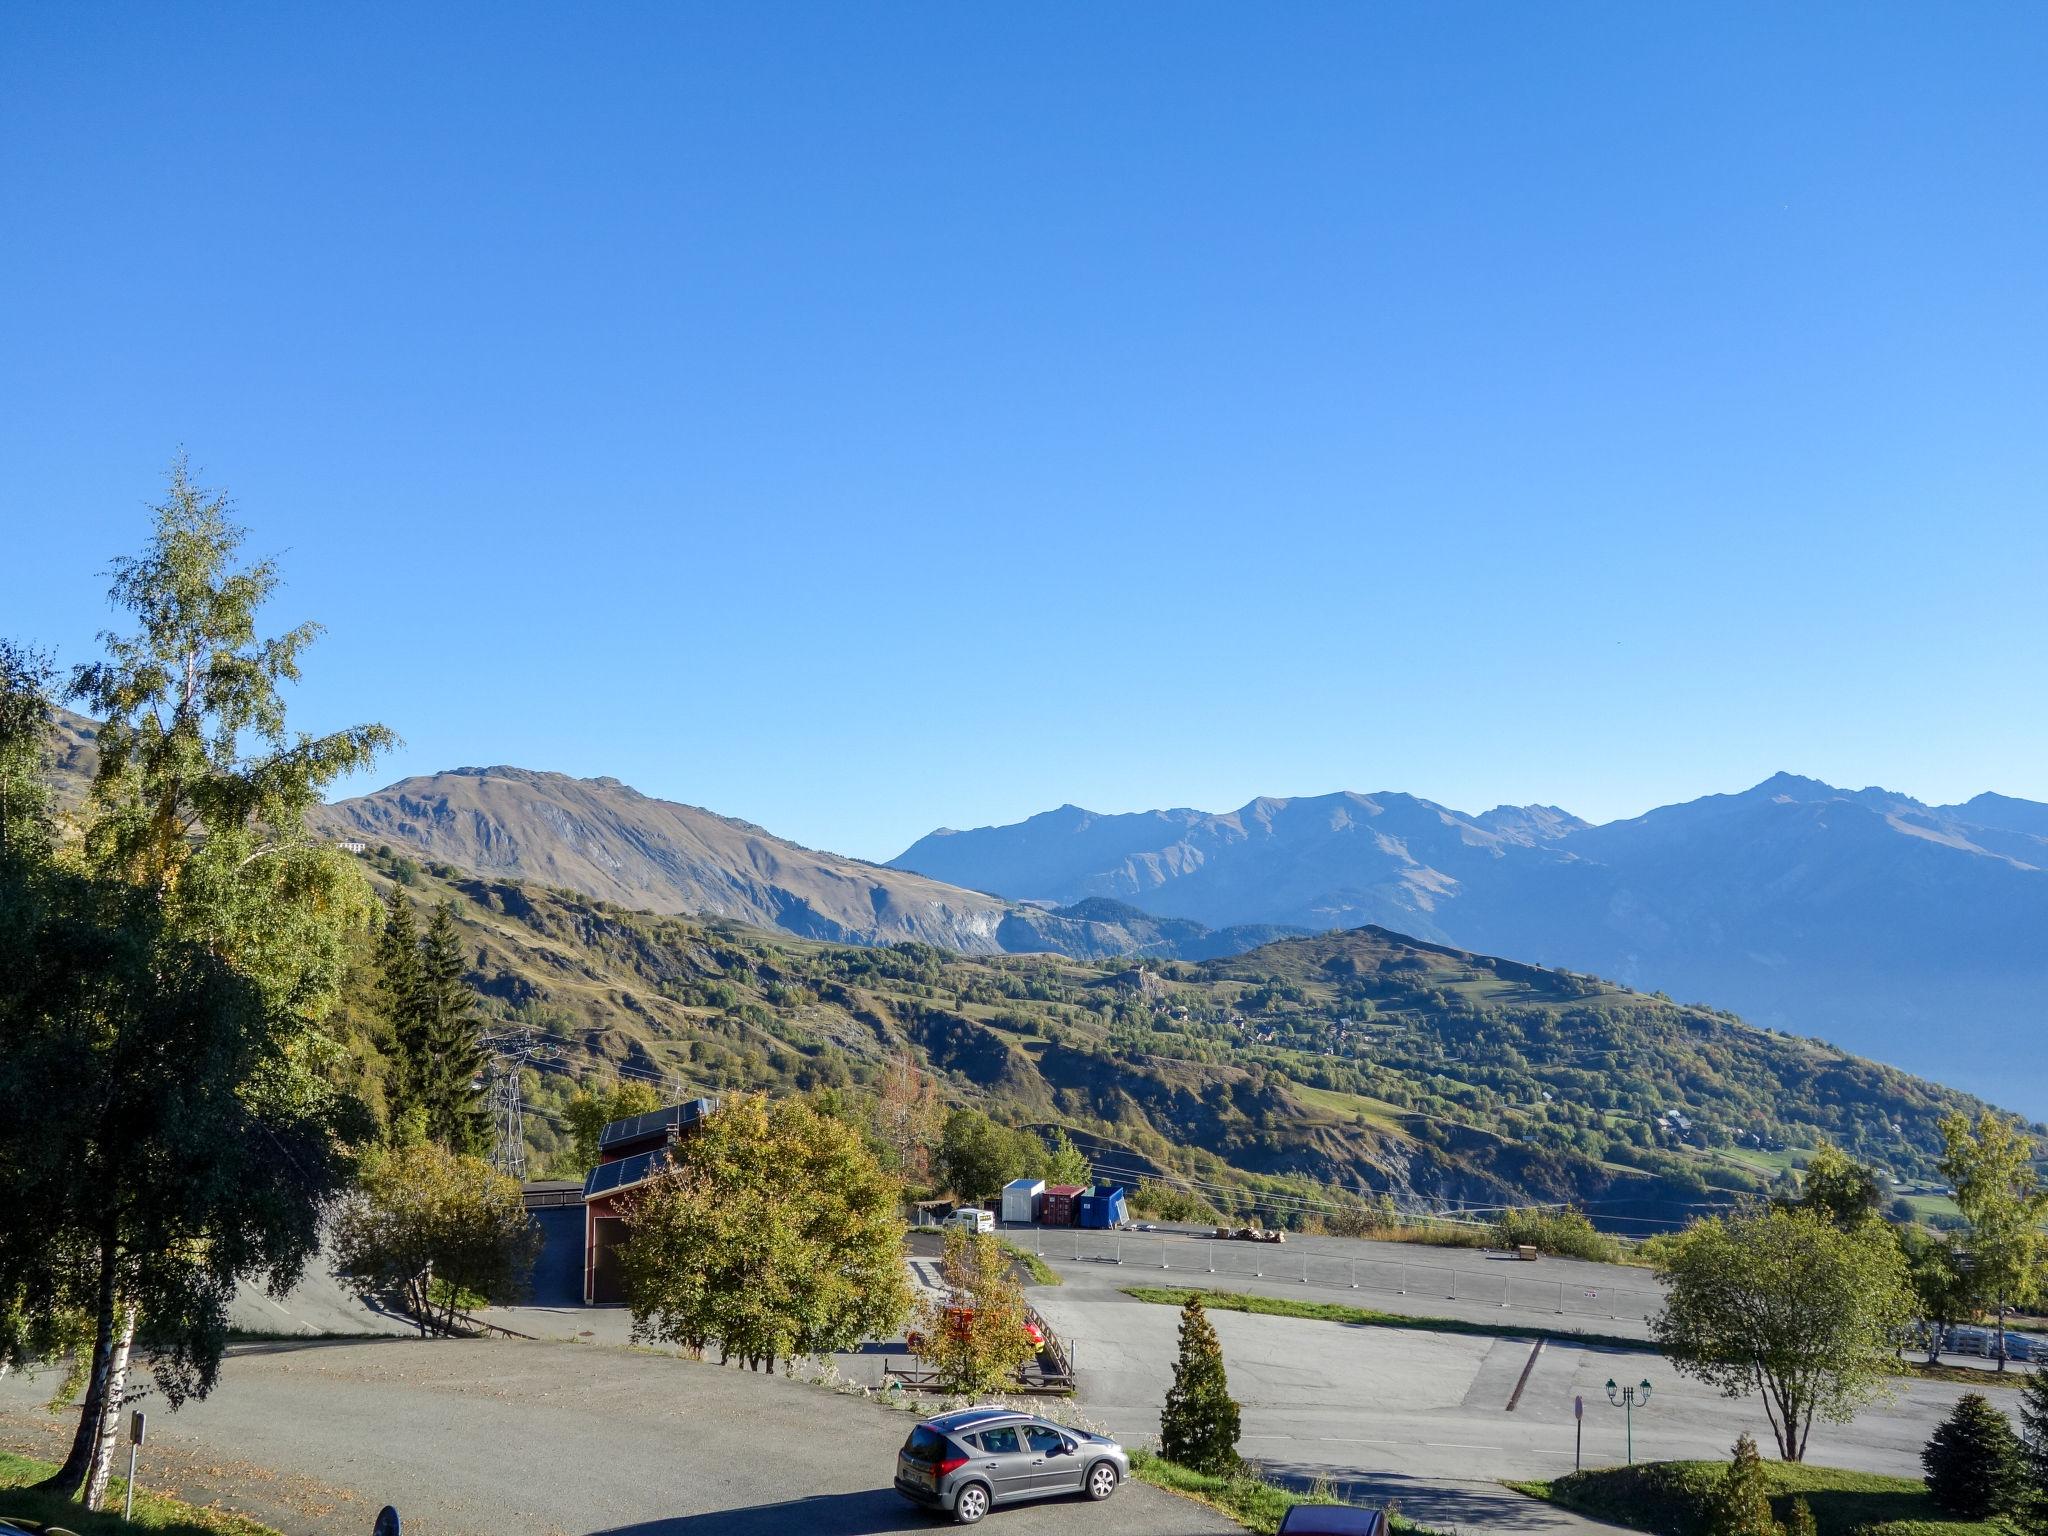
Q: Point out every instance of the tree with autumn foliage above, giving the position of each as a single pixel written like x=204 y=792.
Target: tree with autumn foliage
x=975 y=1333
x=772 y=1233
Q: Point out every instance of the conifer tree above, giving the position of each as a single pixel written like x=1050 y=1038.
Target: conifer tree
x=2034 y=1442
x=453 y=1061
x=1799 y=1519
x=1199 y=1426
x=398 y=1001
x=1974 y=1461
x=1741 y=1505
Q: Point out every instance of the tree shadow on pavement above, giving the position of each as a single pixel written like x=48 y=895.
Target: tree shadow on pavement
x=867 y=1513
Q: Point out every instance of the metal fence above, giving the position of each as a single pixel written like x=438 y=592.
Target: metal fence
x=1502 y=1284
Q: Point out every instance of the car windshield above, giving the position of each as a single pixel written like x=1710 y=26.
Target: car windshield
x=925 y=1444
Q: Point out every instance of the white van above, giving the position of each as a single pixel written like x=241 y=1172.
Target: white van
x=973 y=1219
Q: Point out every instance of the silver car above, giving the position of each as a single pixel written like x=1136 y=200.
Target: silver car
x=968 y=1462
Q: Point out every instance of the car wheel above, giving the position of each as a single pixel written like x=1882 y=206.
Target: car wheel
x=971 y=1504
x=1101 y=1480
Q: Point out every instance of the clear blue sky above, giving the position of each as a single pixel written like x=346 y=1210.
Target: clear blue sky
x=865 y=418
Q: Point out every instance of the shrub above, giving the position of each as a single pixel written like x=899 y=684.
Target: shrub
x=1199 y=1425
x=1974 y=1462
x=1741 y=1505
x=1567 y=1234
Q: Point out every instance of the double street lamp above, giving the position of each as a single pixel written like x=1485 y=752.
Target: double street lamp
x=1626 y=1399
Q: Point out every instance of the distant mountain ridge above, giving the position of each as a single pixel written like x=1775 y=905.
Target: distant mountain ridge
x=604 y=839
x=1906 y=931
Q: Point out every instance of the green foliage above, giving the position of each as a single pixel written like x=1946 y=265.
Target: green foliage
x=1163 y=1202
x=592 y=1109
x=774 y=1233
x=2034 y=1439
x=1672 y=1498
x=1799 y=1519
x=1785 y=1305
x=1198 y=1427
x=436 y=1228
x=203 y=936
x=1991 y=1168
x=26 y=677
x=1974 y=1462
x=1565 y=1233
x=974 y=1335
x=1741 y=1505
x=1838 y=1189
x=1944 y=1288
x=977 y=1157
x=1064 y=1162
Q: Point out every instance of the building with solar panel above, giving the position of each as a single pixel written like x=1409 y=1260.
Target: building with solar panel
x=630 y=1153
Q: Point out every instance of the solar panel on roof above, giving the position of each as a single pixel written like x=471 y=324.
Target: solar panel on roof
x=623 y=1174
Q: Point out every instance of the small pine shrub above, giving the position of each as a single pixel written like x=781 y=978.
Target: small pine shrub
x=1741 y=1505
x=1199 y=1425
x=1974 y=1463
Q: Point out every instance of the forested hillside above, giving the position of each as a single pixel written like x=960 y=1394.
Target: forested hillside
x=1360 y=1061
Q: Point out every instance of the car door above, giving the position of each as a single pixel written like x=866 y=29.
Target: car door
x=1055 y=1467
x=1007 y=1462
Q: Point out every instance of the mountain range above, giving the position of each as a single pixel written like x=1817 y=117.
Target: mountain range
x=1906 y=931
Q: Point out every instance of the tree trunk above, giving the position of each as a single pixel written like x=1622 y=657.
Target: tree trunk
x=116 y=1398
x=69 y=1478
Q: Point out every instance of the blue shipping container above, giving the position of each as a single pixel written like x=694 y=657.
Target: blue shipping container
x=1102 y=1208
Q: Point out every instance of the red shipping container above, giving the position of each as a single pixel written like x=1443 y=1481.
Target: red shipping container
x=1060 y=1204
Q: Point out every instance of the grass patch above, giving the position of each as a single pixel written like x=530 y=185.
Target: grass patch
x=1671 y=1498
x=1247 y=1498
x=1041 y=1273
x=153 y=1511
x=1369 y=1317
x=1962 y=1374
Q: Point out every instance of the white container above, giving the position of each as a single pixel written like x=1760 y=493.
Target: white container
x=1020 y=1200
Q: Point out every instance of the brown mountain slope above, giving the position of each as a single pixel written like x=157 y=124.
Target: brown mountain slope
x=606 y=840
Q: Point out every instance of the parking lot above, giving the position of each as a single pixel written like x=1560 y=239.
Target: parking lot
x=1423 y=1416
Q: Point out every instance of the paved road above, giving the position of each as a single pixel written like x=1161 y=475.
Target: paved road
x=473 y=1438
x=1423 y=1416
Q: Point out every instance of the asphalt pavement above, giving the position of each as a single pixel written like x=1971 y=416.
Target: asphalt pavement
x=1424 y=1417
x=488 y=1438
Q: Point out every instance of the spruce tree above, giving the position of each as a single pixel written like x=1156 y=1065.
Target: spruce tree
x=2034 y=1443
x=1199 y=1426
x=1974 y=1462
x=398 y=1002
x=453 y=1096
x=1741 y=1505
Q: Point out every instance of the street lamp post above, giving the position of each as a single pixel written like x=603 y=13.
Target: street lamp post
x=1626 y=1399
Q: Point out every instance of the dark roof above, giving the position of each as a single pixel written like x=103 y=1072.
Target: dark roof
x=610 y=1178
x=656 y=1122
x=1332 y=1520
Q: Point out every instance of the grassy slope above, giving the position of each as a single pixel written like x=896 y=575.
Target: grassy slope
x=153 y=1511
x=1670 y=1497
x=1361 y=1060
